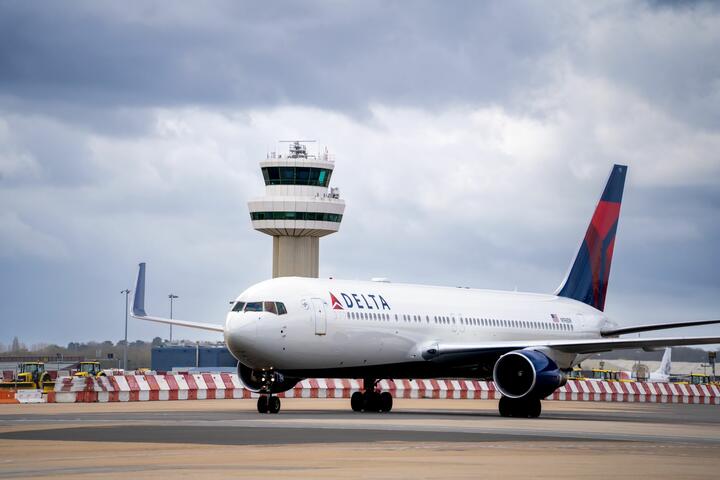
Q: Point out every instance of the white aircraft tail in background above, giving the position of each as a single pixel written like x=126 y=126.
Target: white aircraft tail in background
x=662 y=374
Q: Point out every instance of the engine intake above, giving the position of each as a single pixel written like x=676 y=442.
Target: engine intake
x=527 y=373
x=265 y=381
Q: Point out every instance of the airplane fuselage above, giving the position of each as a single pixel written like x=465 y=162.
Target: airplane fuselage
x=356 y=328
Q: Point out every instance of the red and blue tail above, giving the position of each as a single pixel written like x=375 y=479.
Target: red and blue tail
x=587 y=280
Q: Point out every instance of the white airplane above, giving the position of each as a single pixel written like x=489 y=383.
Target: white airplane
x=286 y=329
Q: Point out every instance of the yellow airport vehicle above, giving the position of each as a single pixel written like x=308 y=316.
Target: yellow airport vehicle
x=606 y=375
x=30 y=375
x=576 y=374
x=89 y=369
x=699 y=379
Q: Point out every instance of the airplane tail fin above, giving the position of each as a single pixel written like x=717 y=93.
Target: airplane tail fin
x=139 y=295
x=587 y=279
x=665 y=363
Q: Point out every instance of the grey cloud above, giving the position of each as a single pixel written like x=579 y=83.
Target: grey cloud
x=339 y=56
x=347 y=56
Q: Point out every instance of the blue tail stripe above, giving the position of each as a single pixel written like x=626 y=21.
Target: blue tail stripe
x=614 y=189
x=579 y=282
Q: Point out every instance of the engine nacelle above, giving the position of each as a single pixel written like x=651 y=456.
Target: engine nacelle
x=527 y=373
x=265 y=381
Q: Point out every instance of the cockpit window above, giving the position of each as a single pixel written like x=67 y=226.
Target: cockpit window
x=254 y=307
x=270 y=307
x=278 y=308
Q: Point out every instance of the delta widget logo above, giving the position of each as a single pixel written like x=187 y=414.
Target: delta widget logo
x=361 y=301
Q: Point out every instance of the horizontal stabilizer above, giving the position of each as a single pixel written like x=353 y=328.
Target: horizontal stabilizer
x=138 y=310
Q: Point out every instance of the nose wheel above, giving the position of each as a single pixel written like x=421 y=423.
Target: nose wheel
x=371 y=400
x=268 y=404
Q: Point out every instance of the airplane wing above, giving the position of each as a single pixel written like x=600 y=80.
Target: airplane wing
x=655 y=326
x=138 y=310
x=586 y=346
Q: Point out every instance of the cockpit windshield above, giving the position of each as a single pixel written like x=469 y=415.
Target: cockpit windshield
x=238 y=307
x=254 y=307
x=270 y=307
x=277 y=308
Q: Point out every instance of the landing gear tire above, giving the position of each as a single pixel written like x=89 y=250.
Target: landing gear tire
x=534 y=408
x=262 y=404
x=371 y=400
x=386 y=402
x=504 y=407
x=520 y=407
x=356 y=402
x=273 y=405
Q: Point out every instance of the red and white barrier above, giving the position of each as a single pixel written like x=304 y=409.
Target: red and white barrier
x=201 y=386
x=638 y=392
x=22 y=396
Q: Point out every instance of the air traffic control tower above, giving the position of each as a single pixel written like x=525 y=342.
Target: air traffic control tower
x=298 y=208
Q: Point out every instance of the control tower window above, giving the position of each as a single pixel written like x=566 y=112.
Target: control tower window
x=310 y=216
x=316 y=177
x=238 y=307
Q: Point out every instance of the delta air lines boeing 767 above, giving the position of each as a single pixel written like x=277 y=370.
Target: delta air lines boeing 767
x=287 y=329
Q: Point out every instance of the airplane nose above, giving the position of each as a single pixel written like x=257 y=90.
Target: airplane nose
x=240 y=333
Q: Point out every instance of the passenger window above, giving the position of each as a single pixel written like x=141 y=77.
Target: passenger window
x=281 y=310
x=270 y=307
x=238 y=307
x=254 y=307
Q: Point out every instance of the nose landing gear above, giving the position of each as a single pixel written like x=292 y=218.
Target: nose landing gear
x=371 y=400
x=268 y=404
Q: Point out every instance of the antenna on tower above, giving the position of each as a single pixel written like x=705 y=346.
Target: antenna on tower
x=297 y=148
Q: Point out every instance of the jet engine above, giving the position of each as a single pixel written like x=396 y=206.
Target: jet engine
x=265 y=381
x=527 y=373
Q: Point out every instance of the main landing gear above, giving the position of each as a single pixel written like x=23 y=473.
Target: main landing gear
x=371 y=400
x=268 y=404
x=528 y=407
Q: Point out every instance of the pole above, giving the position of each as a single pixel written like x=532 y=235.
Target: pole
x=171 y=297
x=125 y=347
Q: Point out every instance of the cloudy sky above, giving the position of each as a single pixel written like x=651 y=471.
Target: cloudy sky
x=472 y=142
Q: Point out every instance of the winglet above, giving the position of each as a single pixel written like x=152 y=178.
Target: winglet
x=139 y=298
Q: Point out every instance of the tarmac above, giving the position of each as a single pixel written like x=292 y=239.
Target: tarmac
x=322 y=438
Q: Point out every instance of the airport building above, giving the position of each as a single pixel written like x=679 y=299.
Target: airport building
x=298 y=208
x=165 y=358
